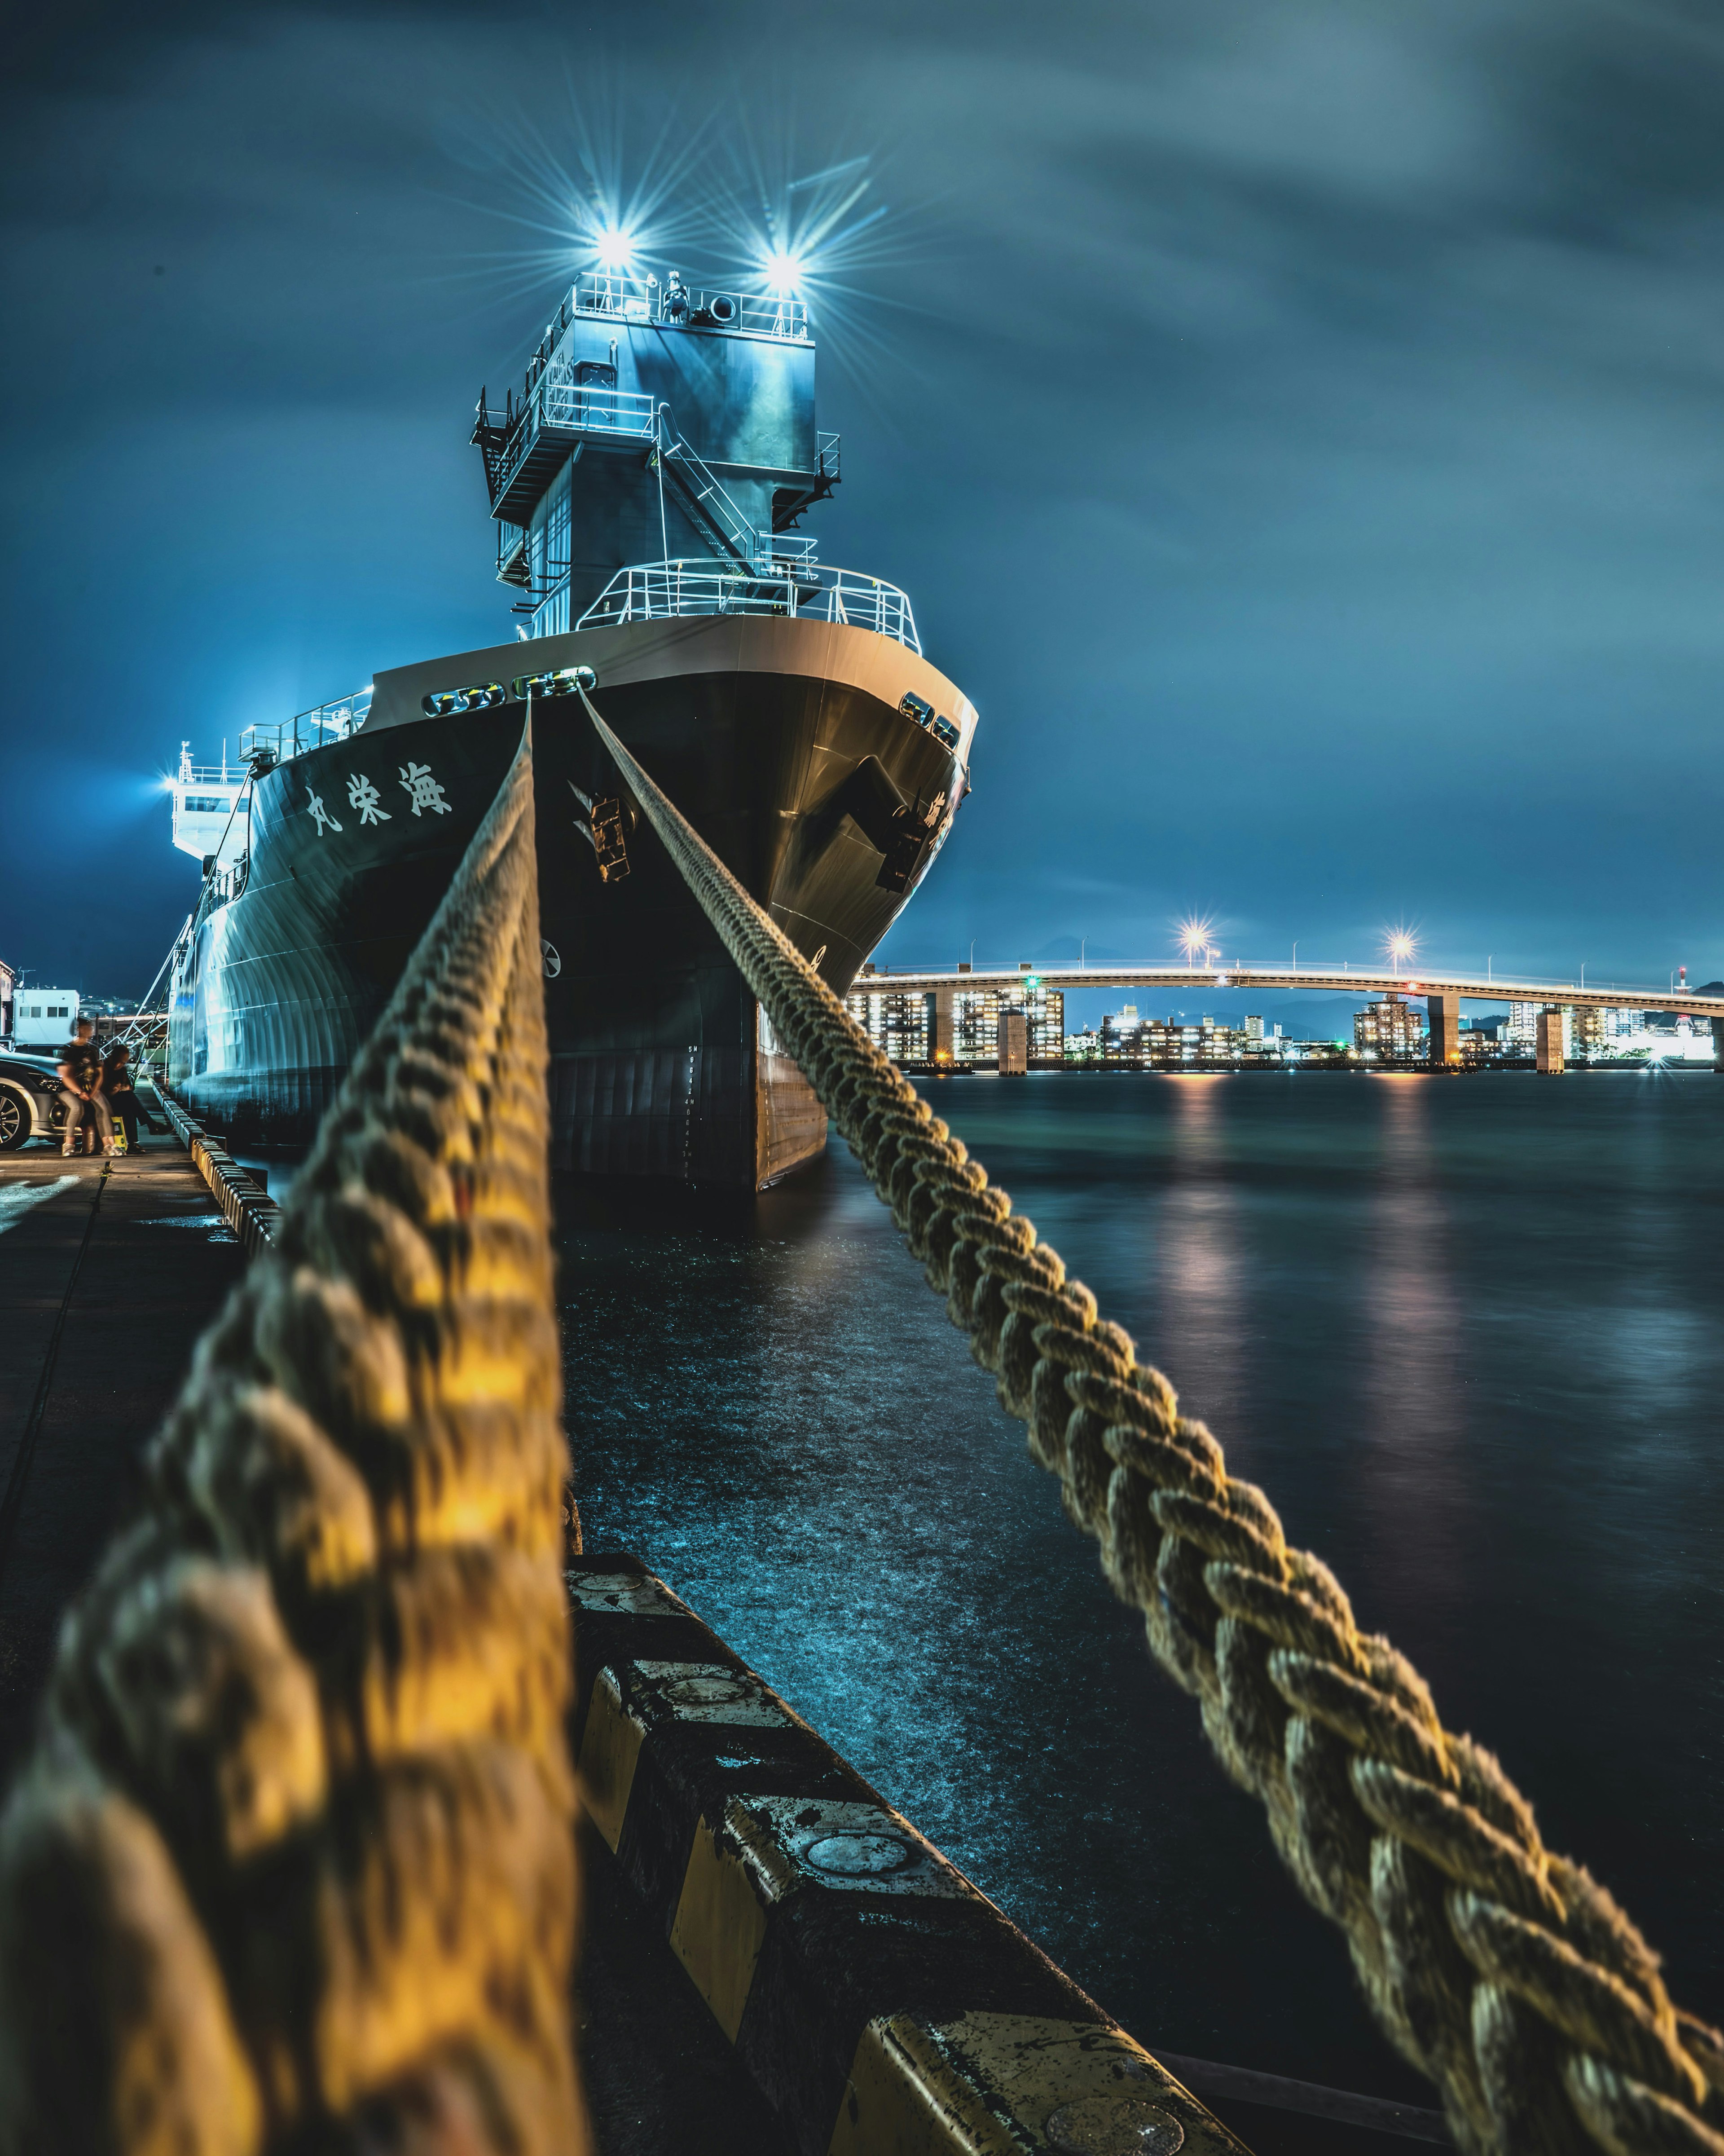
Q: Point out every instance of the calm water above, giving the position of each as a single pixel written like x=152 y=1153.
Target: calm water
x=1470 y=1337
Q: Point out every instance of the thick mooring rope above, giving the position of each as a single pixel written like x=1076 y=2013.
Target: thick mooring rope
x=1502 y=1971
x=292 y=1864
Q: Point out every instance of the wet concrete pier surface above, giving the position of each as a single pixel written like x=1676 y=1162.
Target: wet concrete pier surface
x=108 y=1271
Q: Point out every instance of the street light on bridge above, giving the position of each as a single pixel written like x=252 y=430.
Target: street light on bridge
x=1194 y=939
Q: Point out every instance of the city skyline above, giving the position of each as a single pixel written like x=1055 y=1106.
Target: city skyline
x=960 y=1028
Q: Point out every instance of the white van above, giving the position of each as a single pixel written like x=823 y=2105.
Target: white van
x=42 y=1018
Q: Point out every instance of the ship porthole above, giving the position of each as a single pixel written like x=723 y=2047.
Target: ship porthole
x=553 y=964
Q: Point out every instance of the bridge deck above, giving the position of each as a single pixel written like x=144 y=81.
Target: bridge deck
x=1352 y=981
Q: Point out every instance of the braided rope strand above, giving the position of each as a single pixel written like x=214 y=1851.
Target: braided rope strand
x=1503 y=1972
x=291 y=1865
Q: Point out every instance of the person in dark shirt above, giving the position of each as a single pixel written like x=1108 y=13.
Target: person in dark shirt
x=119 y=1093
x=80 y=1072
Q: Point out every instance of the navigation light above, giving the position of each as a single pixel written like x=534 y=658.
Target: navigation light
x=784 y=272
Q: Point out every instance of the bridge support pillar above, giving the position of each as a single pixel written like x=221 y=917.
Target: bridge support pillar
x=1444 y=1012
x=943 y=1027
x=1550 y=1043
x=1013 y=1044
x=1718 y=1045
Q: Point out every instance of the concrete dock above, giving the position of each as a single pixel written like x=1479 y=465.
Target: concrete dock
x=108 y=1271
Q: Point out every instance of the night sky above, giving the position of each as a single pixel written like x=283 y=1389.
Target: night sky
x=1298 y=427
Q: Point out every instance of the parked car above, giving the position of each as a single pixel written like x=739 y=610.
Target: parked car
x=32 y=1105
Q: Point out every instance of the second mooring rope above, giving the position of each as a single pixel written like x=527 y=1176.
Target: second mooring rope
x=1504 y=1971
x=292 y=1865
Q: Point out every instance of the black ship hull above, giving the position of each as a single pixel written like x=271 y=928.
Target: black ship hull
x=774 y=737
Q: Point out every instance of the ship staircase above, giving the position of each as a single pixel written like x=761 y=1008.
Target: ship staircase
x=791 y=504
x=523 y=449
x=698 y=487
x=515 y=567
x=513 y=562
x=701 y=492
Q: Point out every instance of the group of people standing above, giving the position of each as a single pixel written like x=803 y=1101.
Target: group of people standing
x=98 y=1093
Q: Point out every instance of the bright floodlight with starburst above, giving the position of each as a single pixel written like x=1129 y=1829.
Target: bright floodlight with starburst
x=633 y=186
x=1196 y=937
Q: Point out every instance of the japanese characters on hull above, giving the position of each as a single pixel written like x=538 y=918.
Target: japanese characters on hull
x=422 y=788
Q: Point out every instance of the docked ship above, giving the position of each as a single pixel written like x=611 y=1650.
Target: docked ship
x=784 y=705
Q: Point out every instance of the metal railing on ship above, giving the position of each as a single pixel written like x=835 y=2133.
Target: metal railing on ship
x=561 y=404
x=785 y=585
x=644 y=299
x=308 y=730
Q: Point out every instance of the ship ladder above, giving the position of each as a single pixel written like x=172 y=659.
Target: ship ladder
x=699 y=487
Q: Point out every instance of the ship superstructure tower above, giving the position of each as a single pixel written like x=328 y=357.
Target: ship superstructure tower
x=647 y=483
x=653 y=422
x=210 y=806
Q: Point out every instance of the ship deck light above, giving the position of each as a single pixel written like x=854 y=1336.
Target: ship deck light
x=784 y=272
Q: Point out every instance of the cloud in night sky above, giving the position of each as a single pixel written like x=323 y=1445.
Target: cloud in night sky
x=1299 y=430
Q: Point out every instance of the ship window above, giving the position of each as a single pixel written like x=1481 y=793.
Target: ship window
x=206 y=804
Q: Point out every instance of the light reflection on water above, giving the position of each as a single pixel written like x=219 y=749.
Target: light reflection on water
x=1467 y=1335
x=1200 y=1288
x=1411 y=1394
